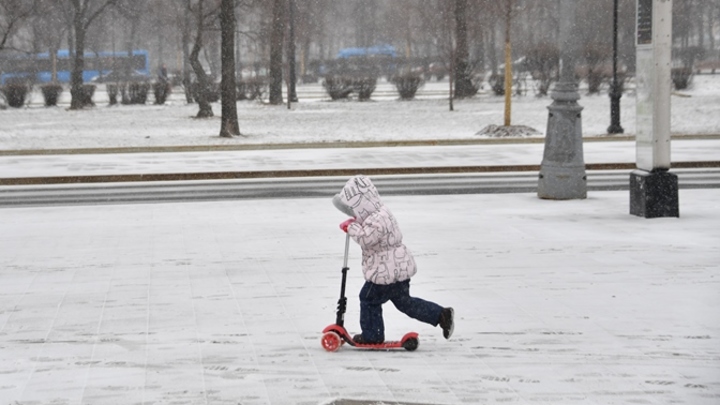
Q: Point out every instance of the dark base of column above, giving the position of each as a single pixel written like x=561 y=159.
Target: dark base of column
x=615 y=129
x=654 y=194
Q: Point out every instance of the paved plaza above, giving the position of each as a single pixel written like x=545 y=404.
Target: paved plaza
x=573 y=302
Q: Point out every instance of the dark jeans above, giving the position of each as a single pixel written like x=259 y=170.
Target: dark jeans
x=372 y=296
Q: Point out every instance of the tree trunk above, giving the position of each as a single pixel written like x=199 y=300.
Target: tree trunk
x=508 y=67
x=185 y=38
x=463 y=82
x=82 y=18
x=292 y=76
x=205 y=109
x=76 y=76
x=451 y=49
x=229 y=123
x=493 y=53
x=276 y=47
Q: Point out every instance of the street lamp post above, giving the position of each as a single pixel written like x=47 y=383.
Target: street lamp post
x=562 y=172
x=615 y=88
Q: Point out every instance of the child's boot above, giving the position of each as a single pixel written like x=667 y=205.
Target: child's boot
x=359 y=339
x=447 y=322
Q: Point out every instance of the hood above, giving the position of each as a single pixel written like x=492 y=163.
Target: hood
x=361 y=196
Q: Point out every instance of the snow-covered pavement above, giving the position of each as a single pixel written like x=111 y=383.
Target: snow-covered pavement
x=573 y=302
x=473 y=154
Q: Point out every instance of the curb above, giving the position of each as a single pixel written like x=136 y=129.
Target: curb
x=122 y=178
x=326 y=145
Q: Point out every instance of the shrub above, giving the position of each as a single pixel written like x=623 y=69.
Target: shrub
x=51 y=94
x=497 y=84
x=467 y=82
x=241 y=91
x=595 y=80
x=137 y=93
x=112 y=91
x=681 y=77
x=86 y=94
x=364 y=87
x=407 y=85
x=341 y=86
x=251 y=89
x=543 y=63
x=15 y=94
x=309 y=78
x=542 y=86
x=161 y=90
x=596 y=56
x=338 y=87
x=212 y=92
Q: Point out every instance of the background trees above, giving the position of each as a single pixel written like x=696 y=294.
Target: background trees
x=178 y=34
x=14 y=15
x=84 y=13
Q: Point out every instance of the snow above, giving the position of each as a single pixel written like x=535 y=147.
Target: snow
x=330 y=158
x=224 y=303
x=572 y=302
x=316 y=119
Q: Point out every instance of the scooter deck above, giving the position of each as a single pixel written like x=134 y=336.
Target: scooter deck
x=334 y=336
x=393 y=344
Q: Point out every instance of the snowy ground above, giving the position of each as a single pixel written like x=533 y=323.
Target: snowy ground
x=316 y=119
x=571 y=302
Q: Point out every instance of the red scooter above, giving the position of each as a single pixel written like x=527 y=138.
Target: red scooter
x=335 y=335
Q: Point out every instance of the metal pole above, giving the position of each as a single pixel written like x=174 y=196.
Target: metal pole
x=615 y=87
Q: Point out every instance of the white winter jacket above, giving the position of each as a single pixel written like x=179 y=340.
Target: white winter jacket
x=385 y=259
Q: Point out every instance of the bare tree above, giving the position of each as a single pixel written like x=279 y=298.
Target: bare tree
x=13 y=15
x=229 y=123
x=133 y=12
x=84 y=14
x=276 y=51
x=205 y=109
x=464 y=86
x=508 y=10
x=184 y=23
x=292 y=74
x=50 y=24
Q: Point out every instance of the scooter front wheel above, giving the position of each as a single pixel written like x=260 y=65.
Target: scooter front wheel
x=410 y=344
x=331 y=341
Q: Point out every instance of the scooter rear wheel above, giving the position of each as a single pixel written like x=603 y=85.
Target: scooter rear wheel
x=331 y=341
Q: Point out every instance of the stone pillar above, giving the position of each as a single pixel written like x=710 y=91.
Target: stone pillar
x=562 y=172
x=653 y=189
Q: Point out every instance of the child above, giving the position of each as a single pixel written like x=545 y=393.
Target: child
x=386 y=263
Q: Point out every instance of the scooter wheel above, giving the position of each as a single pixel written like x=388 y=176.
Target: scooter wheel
x=331 y=341
x=410 y=344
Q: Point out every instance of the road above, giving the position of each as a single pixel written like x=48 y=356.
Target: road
x=303 y=187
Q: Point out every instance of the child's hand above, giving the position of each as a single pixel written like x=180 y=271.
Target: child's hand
x=344 y=225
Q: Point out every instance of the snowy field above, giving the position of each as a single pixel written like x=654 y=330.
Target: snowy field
x=317 y=119
x=571 y=302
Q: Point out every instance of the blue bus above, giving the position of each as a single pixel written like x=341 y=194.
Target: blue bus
x=38 y=68
x=379 y=51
